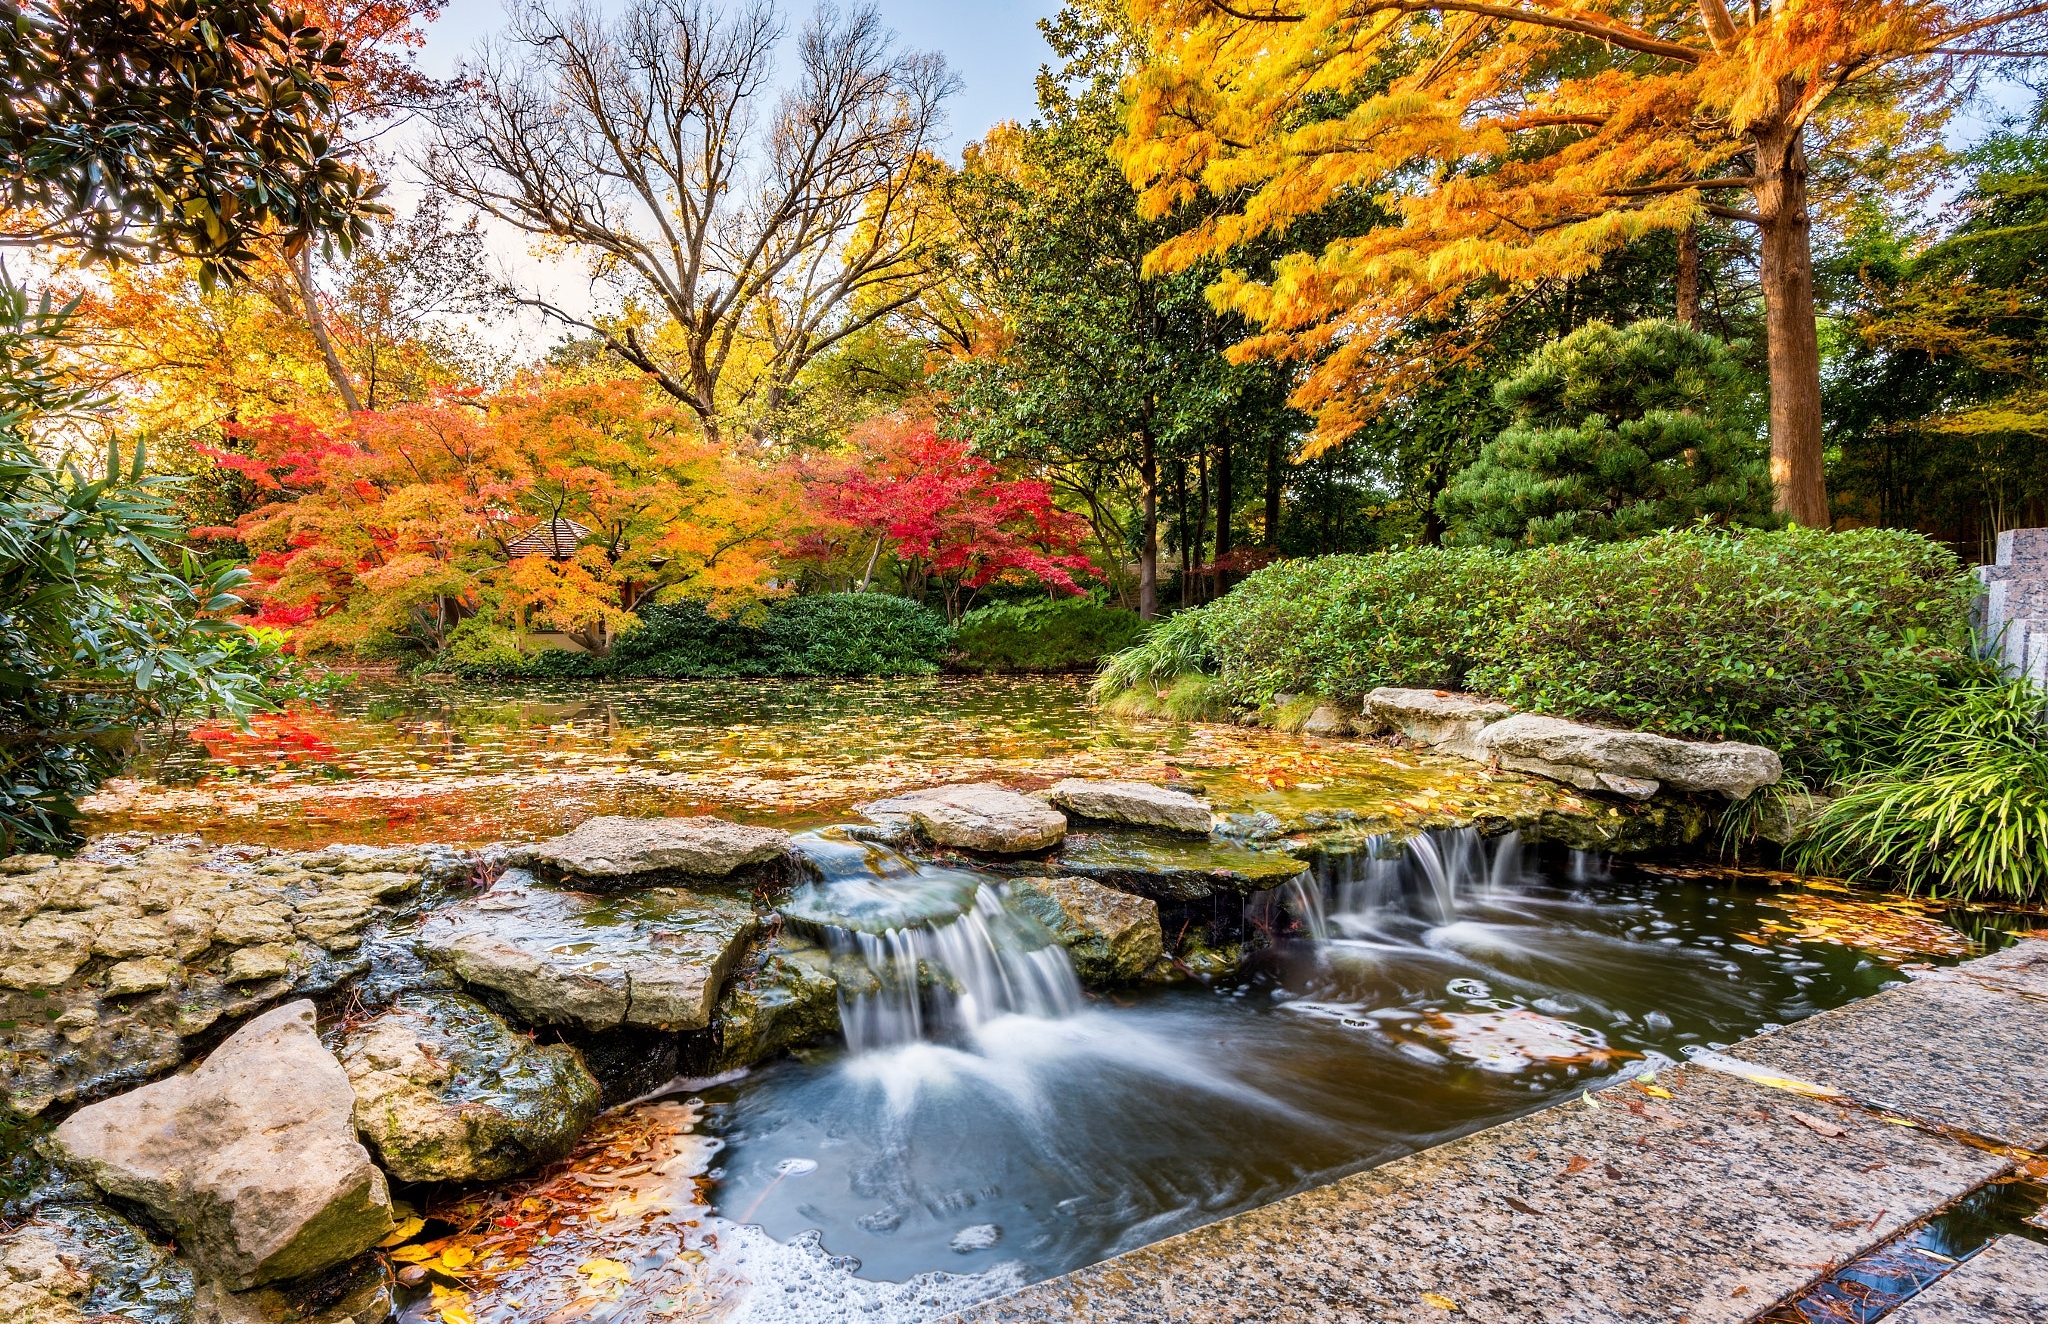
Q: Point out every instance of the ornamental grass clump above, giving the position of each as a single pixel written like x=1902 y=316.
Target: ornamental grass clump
x=1956 y=803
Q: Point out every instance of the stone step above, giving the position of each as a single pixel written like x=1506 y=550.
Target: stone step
x=2005 y=1283
x=1710 y=1206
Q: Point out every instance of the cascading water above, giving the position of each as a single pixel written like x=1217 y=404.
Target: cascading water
x=938 y=954
x=1421 y=877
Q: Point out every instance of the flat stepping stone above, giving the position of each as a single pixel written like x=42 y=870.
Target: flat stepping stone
x=2005 y=1283
x=1139 y=804
x=609 y=851
x=654 y=958
x=1713 y=1205
x=980 y=816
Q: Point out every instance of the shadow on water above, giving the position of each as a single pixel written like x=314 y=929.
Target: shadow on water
x=986 y=1113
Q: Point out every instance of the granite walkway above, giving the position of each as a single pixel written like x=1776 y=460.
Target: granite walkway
x=1711 y=1205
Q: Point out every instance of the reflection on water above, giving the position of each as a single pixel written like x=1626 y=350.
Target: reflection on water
x=1457 y=987
x=385 y=762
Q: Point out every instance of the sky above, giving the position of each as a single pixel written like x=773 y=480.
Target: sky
x=993 y=45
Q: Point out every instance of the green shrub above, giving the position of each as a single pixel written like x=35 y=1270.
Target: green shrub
x=1772 y=637
x=482 y=642
x=1618 y=433
x=1955 y=802
x=851 y=634
x=837 y=634
x=1063 y=634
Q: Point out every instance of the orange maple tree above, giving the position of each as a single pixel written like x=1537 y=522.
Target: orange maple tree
x=1514 y=142
x=396 y=526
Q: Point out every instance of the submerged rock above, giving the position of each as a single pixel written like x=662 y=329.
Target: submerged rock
x=1112 y=937
x=445 y=1091
x=1328 y=720
x=653 y=958
x=981 y=816
x=780 y=995
x=1139 y=804
x=78 y=1263
x=108 y=964
x=633 y=852
x=252 y=1158
x=358 y=1292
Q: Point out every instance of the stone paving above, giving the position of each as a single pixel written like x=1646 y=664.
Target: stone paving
x=1711 y=1205
x=2005 y=1283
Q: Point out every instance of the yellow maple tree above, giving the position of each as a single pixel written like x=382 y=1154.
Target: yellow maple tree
x=1514 y=142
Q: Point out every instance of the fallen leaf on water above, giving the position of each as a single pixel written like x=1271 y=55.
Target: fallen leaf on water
x=417 y=1254
x=457 y=1258
x=599 y=1270
x=1817 y=1125
x=404 y=1232
x=1440 y=1302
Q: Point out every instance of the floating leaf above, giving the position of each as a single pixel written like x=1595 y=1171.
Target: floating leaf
x=404 y=1232
x=599 y=1270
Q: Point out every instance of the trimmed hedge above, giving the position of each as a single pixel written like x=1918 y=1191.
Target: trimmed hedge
x=834 y=634
x=1061 y=634
x=1771 y=637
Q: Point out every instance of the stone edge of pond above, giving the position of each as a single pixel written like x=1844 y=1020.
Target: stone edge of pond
x=1713 y=1205
x=2005 y=1283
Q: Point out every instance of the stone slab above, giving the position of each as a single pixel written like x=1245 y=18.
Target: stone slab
x=1710 y=1207
x=1964 y=1045
x=2005 y=1283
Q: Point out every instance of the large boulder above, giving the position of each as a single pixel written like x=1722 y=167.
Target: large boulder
x=251 y=1158
x=1139 y=804
x=1112 y=937
x=980 y=816
x=654 y=958
x=445 y=1091
x=1597 y=758
x=633 y=852
x=1435 y=717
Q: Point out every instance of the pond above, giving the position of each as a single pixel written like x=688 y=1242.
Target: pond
x=388 y=762
x=984 y=1122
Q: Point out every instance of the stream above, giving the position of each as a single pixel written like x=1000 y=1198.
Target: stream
x=982 y=1121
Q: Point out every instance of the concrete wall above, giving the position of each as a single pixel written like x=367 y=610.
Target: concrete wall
x=2012 y=615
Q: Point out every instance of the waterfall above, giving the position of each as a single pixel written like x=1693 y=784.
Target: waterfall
x=1419 y=877
x=925 y=952
x=946 y=980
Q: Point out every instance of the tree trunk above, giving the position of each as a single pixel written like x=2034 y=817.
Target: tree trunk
x=1793 y=338
x=1180 y=505
x=1148 y=537
x=1224 y=498
x=1689 y=276
x=1273 y=460
x=309 y=300
x=1201 y=518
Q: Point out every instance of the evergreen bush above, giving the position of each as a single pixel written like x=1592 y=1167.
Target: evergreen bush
x=831 y=634
x=1060 y=634
x=1618 y=433
x=1771 y=637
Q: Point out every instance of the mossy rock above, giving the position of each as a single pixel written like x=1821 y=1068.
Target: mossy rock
x=446 y=1091
x=782 y=994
